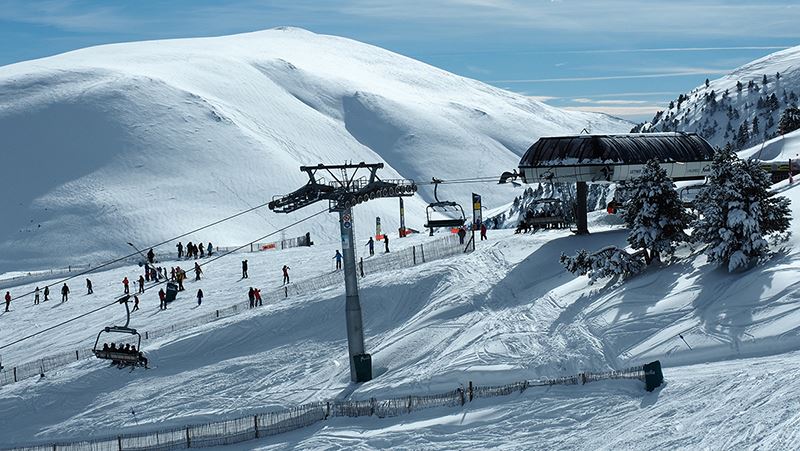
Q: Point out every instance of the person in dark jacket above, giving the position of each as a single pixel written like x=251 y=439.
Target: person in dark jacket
x=89 y=287
x=200 y=248
x=386 y=243
x=371 y=244
x=151 y=256
x=244 y=269
x=197 y=272
x=46 y=293
x=64 y=293
x=483 y=232
x=210 y=248
x=162 y=296
x=461 y=234
x=338 y=258
x=180 y=249
x=251 y=295
x=199 y=297
x=141 y=284
x=135 y=303
x=286 y=274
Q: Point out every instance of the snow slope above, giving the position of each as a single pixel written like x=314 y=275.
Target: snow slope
x=141 y=141
x=780 y=149
x=506 y=312
x=717 y=111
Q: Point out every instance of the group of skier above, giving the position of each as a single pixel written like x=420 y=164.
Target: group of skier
x=194 y=250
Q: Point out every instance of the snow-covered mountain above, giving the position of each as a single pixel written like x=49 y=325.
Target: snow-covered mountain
x=742 y=108
x=141 y=141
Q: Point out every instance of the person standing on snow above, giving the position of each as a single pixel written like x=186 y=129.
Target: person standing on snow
x=46 y=293
x=180 y=249
x=251 y=295
x=483 y=232
x=36 y=296
x=197 y=272
x=64 y=293
x=200 y=248
x=162 y=296
x=199 y=297
x=8 y=300
x=244 y=269
x=386 y=243
x=257 y=293
x=371 y=244
x=141 y=284
x=89 y=287
x=125 y=283
x=151 y=256
x=286 y=274
x=338 y=258
x=461 y=234
x=210 y=248
x=135 y=303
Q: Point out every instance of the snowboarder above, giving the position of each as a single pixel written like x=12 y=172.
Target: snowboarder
x=199 y=297
x=244 y=269
x=141 y=284
x=36 y=296
x=89 y=287
x=371 y=244
x=64 y=293
x=125 y=284
x=286 y=274
x=46 y=293
x=200 y=248
x=8 y=300
x=338 y=258
x=251 y=295
x=135 y=303
x=462 y=232
x=210 y=248
x=483 y=232
x=162 y=296
x=386 y=243
x=257 y=293
x=197 y=272
x=180 y=249
x=151 y=256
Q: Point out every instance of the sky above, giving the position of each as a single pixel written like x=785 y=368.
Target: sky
x=625 y=58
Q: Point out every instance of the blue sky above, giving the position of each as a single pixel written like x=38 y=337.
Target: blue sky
x=626 y=58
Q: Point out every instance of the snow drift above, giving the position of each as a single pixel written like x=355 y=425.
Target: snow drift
x=141 y=141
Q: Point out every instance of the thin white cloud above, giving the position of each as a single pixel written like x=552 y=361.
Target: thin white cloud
x=612 y=77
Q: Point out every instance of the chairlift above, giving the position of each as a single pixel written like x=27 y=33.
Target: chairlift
x=551 y=213
x=121 y=358
x=443 y=213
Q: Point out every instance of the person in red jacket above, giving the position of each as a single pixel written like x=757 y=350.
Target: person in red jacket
x=125 y=284
x=483 y=232
x=8 y=300
x=163 y=297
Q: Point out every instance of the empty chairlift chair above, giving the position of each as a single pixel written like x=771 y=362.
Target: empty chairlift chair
x=120 y=356
x=443 y=213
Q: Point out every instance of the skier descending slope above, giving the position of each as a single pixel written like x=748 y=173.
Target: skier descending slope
x=286 y=274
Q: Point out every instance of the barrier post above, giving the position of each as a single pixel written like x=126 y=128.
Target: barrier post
x=119 y=442
x=422 y=251
x=470 y=391
x=188 y=440
x=255 y=424
x=77 y=357
x=414 y=253
x=15 y=374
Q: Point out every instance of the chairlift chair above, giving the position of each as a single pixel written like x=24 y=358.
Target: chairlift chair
x=453 y=214
x=118 y=356
x=561 y=219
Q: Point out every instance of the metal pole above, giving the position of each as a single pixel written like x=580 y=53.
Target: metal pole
x=355 y=329
x=403 y=218
x=582 y=199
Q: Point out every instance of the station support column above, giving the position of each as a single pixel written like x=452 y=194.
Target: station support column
x=355 y=329
x=581 y=208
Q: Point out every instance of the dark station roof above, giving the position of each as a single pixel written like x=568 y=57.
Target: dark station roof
x=631 y=148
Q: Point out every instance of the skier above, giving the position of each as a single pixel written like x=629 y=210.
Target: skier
x=461 y=234
x=386 y=243
x=125 y=284
x=338 y=258
x=244 y=269
x=483 y=232
x=179 y=276
x=286 y=274
x=251 y=295
x=189 y=249
x=210 y=248
x=199 y=297
x=180 y=249
x=141 y=284
x=46 y=293
x=162 y=296
x=89 y=287
x=135 y=303
x=64 y=293
x=172 y=274
x=8 y=300
x=151 y=256
x=147 y=272
x=257 y=293
x=200 y=248
x=197 y=272
x=36 y=296
x=371 y=244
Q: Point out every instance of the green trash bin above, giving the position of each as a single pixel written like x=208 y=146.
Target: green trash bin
x=172 y=291
x=363 y=364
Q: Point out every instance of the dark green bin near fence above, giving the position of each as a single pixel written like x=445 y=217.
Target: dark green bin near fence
x=172 y=291
x=653 y=377
x=363 y=364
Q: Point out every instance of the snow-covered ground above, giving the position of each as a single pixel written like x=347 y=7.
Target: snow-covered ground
x=142 y=141
x=504 y=313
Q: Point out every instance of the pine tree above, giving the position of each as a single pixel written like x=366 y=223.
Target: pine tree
x=790 y=121
x=744 y=134
x=755 y=126
x=654 y=214
x=764 y=80
x=777 y=75
x=737 y=212
x=707 y=82
x=739 y=86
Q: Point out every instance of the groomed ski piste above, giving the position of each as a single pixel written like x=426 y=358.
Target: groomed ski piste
x=504 y=313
